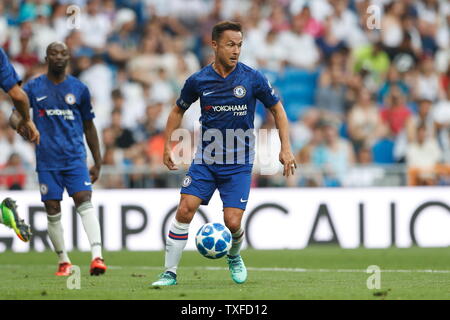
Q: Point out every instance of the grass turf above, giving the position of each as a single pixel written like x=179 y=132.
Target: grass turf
x=312 y=273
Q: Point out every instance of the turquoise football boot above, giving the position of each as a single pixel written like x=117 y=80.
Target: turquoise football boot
x=237 y=268
x=167 y=278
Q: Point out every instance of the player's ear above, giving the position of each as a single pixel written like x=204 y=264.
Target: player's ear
x=214 y=44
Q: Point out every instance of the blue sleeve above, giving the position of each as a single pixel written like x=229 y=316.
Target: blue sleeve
x=86 y=109
x=8 y=76
x=188 y=94
x=264 y=91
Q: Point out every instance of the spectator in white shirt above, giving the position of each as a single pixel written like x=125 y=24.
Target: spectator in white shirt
x=422 y=156
x=95 y=26
x=301 y=48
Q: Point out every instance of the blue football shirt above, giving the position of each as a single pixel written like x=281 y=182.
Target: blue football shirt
x=227 y=108
x=58 y=112
x=8 y=76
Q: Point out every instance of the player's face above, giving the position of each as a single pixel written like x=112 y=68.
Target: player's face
x=58 y=57
x=228 y=48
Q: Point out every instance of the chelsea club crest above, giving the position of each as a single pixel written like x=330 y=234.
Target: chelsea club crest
x=70 y=98
x=187 y=181
x=239 y=91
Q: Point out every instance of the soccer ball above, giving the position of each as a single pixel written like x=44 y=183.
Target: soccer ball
x=213 y=240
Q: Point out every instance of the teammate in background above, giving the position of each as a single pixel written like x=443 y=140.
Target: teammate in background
x=228 y=91
x=63 y=113
x=10 y=83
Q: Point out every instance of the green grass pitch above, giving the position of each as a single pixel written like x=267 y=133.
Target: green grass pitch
x=314 y=273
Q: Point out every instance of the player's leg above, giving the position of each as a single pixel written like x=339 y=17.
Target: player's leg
x=9 y=216
x=232 y=219
x=56 y=235
x=234 y=191
x=197 y=188
x=51 y=189
x=79 y=187
x=177 y=238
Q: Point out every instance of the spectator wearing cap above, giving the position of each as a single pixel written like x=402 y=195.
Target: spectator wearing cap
x=123 y=43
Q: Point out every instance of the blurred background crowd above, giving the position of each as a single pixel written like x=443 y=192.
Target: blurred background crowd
x=365 y=83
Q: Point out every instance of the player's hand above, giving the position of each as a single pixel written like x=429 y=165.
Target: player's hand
x=94 y=173
x=288 y=161
x=27 y=129
x=168 y=161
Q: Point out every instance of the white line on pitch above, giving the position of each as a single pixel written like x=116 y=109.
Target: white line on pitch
x=248 y=268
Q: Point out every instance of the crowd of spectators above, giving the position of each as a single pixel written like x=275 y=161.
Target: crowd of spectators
x=375 y=76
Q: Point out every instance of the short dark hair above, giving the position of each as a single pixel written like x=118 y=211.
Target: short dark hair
x=223 y=26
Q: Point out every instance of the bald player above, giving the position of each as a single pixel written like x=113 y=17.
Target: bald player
x=63 y=114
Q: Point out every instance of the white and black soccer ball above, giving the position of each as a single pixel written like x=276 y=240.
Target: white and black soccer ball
x=213 y=240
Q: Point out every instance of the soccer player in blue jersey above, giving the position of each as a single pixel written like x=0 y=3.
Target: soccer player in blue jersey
x=228 y=91
x=63 y=114
x=10 y=83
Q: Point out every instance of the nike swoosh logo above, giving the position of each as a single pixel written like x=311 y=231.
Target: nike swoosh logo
x=244 y=200
x=207 y=93
x=87 y=183
x=41 y=98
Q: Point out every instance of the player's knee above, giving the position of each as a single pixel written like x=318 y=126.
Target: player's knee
x=233 y=223
x=81 y=197
x=52 y=207
x=185 y=212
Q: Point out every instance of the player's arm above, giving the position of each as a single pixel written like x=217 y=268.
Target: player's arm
x=14 y=119
x=24 y=125
x=20 y=101
x=173 y=123
x=26 y=129
x=90 y=131
x=10 y=83
x=282 y=123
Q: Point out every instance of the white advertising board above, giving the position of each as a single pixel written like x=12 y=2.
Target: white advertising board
x=292 y=218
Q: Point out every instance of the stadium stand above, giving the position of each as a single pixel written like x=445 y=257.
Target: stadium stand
x=136 y=55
